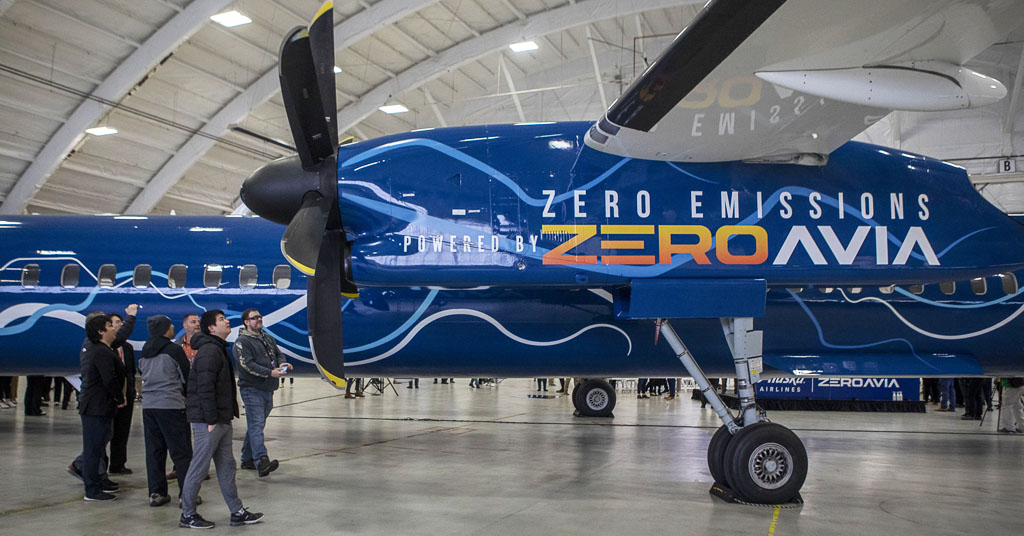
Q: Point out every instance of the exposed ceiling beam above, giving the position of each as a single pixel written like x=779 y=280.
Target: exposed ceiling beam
x=1015 y=96
x=114 y=88
x=348 y=32
x=535 y=25
x=433 y=106
x=511 y=87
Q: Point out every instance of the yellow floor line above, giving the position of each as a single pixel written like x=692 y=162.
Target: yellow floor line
x=775 y=519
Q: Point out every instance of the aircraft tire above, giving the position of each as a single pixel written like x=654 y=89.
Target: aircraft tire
x=576 y=396
x=766 y=463
x=716 y=454
x=596 y=398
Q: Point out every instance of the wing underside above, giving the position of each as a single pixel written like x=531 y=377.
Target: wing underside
x=792 y=80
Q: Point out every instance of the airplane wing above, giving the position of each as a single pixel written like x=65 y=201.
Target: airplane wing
x=792 y=80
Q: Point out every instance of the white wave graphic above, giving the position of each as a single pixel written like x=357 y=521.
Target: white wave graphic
x=939 y=336
x=23 y=310
x=490 y=320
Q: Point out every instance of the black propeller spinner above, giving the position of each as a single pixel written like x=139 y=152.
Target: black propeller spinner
x=314 y=242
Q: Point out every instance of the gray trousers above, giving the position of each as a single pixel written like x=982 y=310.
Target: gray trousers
x=216 y=446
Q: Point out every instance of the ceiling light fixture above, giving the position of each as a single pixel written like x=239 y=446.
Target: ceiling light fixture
x=230 y=19
x=394 y=109
x=101 y=131
x=524 y=46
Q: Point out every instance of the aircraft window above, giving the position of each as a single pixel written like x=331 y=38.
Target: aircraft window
x=282 y=276
x=247 y=276
x=979 y=285
x=855 y=290
x=30 y=276
x=142 y=275
x=827 y=290
x=948 y=287
x=107 y=275
x=1009 y=284
x=176 y=276
x=916 y=289
x=69 y=276
x=887 y=290
x=212 y=274
x=796 y=290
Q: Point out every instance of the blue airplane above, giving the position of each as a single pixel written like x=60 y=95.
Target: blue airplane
x=716 y=213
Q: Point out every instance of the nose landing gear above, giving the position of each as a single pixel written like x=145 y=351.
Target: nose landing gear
x=750 y=459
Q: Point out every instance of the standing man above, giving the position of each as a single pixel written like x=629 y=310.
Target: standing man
x=101 y=395
x=260 y=364
x=164 y=369
x=126 y=364
x=210 y=405
x=190 y=323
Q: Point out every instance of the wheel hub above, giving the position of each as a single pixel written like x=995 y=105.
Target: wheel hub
x=597 y=399
x=770 y=465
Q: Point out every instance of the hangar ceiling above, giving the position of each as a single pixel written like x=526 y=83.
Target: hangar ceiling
x=197 y=108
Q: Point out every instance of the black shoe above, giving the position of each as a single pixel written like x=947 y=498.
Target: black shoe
x=158 y=500
x=248 y=465
x=102 y=496
x=73 y=471
x=121 y=471
x=266 y=466
x=245 y=517
x=109 y=486
x=196 y=521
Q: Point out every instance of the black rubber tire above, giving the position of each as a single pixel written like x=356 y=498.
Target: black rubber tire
x=769 y=443
x=575 y=395
x=716 y=454
x=596 y=398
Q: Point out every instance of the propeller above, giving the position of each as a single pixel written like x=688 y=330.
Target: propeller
x=314 y=242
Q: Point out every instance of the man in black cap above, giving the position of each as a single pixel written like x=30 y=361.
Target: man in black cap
x=164 y=369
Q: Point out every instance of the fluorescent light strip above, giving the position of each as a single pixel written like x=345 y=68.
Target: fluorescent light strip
x=393 y=109
x=230 y=19
x=101 y=131
x=523 y=47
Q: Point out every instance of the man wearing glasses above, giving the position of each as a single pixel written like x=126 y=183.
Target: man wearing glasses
x=260 y=364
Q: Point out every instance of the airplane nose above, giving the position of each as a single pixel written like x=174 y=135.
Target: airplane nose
x=275 y=190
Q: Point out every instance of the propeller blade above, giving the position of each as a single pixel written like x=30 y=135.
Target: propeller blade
x=321 y=42
x=302 y=240
x=300 y=90
x=323 y=310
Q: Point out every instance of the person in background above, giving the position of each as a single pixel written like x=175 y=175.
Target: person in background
x=358 y=385
x=190 y=323
x=542 y=383
x=414 y=382
x=211 y=402
x=34 y=396
x=6 y=398
x=641 y=388
x=62 y=390
x=126 y=364
x=1011 y=407
x=102 y=394
x=164 y=370
x=947 y=395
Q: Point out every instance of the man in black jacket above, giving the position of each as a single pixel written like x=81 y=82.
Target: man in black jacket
x=100 y=398
x=120 y=338
x=211 y=403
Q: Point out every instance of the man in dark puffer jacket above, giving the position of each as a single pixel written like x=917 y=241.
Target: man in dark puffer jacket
x=211 y=403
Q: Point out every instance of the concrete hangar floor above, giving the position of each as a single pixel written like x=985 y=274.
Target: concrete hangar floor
x=446 y=459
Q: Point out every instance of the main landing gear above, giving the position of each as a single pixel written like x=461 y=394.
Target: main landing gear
x=593 y=398
x=750 y=459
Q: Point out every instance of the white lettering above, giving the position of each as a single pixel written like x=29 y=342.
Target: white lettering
x=921 y=202
x=842 y=206
x=731 y=204
x=578 y=203
x=405 y=243
x=916 y=236
x=881 y=245
x=787 y=211
x=896 y=206
x=726 y=123
x=533 y=242
x=519 y=243
x=845 y=255
x=611 y=204
x=867 y=205
x=815 y=207
x=547 y=206
x=799 y=234
x=695 y=204
x=643 y=203
x=695 y=130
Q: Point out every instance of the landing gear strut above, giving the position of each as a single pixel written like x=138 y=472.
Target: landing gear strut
x=761 y=462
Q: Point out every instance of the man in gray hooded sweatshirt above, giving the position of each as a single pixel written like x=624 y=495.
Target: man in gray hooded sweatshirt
x=165 y=371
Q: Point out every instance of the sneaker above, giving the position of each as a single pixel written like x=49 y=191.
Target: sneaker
x=109 y=486
x=102 y=496
x=121 y=471
x=73 y=471
x=158 y=500
x=196 y=521
x=266 y=466
x=1007 y=431
x=245 y=517
x=248 y=465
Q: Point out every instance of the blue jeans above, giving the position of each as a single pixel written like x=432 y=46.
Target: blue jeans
x=258 y=404
x=947 y=393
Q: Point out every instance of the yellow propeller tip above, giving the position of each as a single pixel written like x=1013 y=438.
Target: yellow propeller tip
x=327 y=6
